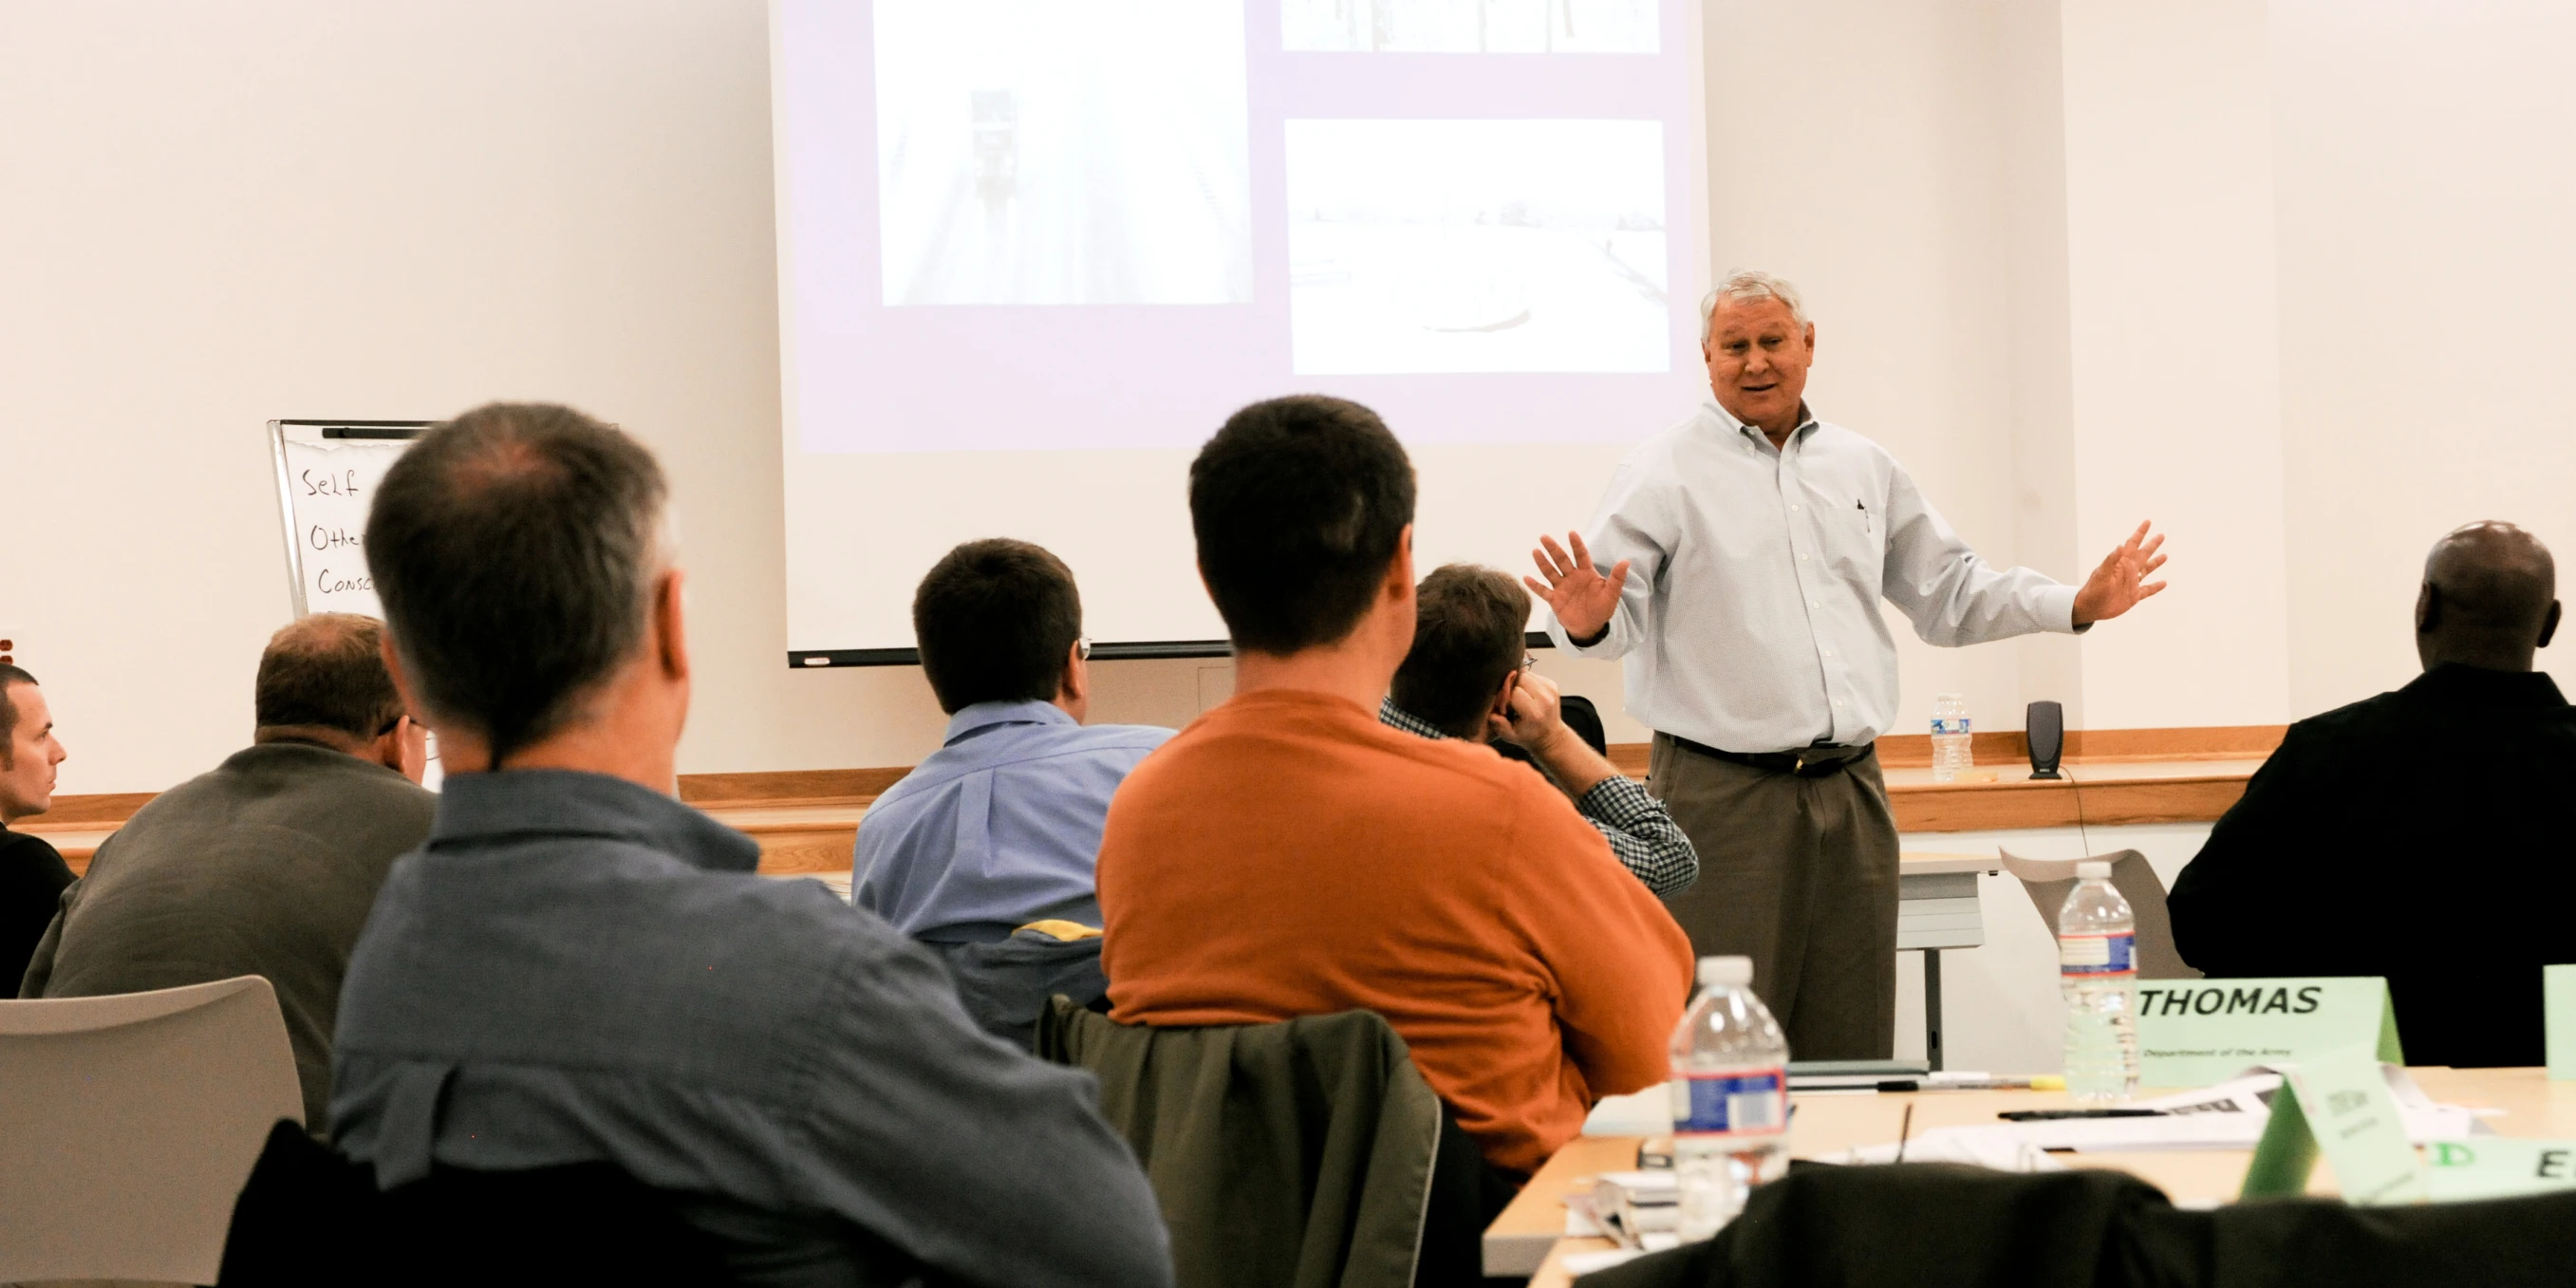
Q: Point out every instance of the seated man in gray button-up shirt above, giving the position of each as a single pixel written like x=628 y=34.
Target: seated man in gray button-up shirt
x=576 y=967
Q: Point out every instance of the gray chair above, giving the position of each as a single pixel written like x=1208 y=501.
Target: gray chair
x=2049 y=881
x=128 y=1124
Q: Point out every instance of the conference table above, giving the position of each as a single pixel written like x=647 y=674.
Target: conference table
x=1532 y=1230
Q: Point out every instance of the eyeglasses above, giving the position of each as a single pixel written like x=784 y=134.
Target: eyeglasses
x=1082 y=647
x=1528 y=663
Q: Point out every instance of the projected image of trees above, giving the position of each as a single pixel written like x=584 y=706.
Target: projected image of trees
x=1469 y=26
x=1062 y=152
x=1457 y=246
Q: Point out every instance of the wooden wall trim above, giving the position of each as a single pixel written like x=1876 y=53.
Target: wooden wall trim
x=1949 y=807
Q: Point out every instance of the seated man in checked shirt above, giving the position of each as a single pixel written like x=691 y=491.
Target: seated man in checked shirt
x=1468 y=677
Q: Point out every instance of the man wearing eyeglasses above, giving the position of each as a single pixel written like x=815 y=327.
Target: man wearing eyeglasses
x=1468 y=677
x=985 y=850
x=269 y=864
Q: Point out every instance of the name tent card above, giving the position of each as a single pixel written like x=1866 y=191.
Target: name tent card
x=2338 y=1105
x=2498 y=1167
x=2558 y=1011
x=2195 y=1033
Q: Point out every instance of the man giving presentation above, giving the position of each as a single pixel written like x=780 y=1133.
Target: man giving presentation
x=1737 y=563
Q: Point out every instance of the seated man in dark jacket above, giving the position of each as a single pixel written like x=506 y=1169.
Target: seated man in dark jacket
x=2428 y=835
x=266 y=866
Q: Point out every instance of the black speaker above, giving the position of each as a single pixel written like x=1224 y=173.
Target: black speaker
x=2045 y=725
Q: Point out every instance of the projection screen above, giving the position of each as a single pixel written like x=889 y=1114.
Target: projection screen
x=1033 y=252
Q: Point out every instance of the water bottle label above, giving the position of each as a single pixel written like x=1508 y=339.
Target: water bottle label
x=1941 y=726
x=2092 y=955
x=1737 y=1102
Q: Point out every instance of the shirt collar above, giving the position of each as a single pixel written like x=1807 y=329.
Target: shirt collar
x=1807 y=423
x=984 y=715
x=1395 y=717
x=2500 y=688
x=530 y=804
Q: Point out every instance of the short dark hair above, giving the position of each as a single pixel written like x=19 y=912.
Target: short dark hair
x=1470 y=630
x=996 y=621
x=514 y=549
x=1299 y=504
x=327 y=671
x=10 y=676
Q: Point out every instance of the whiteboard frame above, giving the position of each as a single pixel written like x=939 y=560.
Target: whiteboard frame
x=321 y=431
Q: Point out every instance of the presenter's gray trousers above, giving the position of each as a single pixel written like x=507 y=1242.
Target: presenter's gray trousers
x=1798 y=874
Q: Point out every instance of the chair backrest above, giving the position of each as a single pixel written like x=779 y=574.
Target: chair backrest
x=2049 y=881
x=1298 y=1153
x=128 y=1124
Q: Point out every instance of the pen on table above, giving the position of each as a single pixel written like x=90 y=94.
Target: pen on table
x=1974 y=1082
x=1904 y=1130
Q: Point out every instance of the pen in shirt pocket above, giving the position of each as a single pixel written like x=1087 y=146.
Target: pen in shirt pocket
x=1868 y=521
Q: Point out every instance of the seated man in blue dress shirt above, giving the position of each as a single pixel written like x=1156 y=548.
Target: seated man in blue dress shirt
x=985 y=850
x=578 y=968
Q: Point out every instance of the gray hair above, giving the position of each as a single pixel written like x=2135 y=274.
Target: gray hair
x=1751 y=284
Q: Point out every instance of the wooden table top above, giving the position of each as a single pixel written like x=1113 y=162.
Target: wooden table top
x=1831 y=1123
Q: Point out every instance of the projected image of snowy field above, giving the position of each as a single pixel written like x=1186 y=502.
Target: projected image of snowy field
x=1476 y=246
x=1469 y=26
x=1063 y=152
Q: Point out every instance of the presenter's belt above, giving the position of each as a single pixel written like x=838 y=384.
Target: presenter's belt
x=1805 y=762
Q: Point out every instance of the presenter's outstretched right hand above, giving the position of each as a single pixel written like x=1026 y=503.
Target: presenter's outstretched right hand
x=1582 y=598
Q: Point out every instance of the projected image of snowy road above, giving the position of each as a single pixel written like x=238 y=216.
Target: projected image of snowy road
x=1062 y=152
x=1477 y=246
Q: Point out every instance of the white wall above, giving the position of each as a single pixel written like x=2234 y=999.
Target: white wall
x=2033 y=232
x=2425 y=203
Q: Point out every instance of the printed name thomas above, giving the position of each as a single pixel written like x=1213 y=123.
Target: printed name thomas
x=2221 y=1000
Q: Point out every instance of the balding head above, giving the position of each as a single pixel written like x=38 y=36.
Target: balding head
x=323 y=679
x=2490 y=598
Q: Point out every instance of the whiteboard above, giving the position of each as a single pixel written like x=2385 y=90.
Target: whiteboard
x=327 y=471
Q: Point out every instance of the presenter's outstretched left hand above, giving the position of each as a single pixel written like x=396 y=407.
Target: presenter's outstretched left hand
x=2121 y=581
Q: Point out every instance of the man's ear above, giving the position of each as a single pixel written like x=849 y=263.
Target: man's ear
x=394 y=667
x=2428 y=609
x=670 y=624
x=1075 y=686
x=1399 y=570
x=2548 y=625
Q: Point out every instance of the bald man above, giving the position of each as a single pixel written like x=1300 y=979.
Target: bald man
x=2428 y=835
x=268 y=864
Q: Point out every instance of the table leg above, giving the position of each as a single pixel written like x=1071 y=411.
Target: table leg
x=1932 y=1008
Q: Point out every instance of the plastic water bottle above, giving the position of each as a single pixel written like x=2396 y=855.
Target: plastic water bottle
x=1730 y=1097
x=2097 y=970
x=1950 y=750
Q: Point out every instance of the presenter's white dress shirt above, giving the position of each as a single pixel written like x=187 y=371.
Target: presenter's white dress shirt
x=1750 y=618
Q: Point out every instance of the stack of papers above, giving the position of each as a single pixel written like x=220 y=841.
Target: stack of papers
x=2231 y=1115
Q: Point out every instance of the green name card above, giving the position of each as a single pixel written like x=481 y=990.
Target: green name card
x=2558 y=1010
x=2496 y=1167
x=2338 y=1104
x=2192 y=1033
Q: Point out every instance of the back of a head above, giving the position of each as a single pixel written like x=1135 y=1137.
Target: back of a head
x=1299 y=505
x=515 y=550
x=995 y=621
x=1470 y=629
x=2491 y=593
x=10 y=677
x=326 y=672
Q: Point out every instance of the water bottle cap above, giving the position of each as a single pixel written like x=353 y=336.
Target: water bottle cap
x=2092 y=869
x=1725 y=972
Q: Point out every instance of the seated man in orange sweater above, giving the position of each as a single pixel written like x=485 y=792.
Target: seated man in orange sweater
x=1288 y=855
